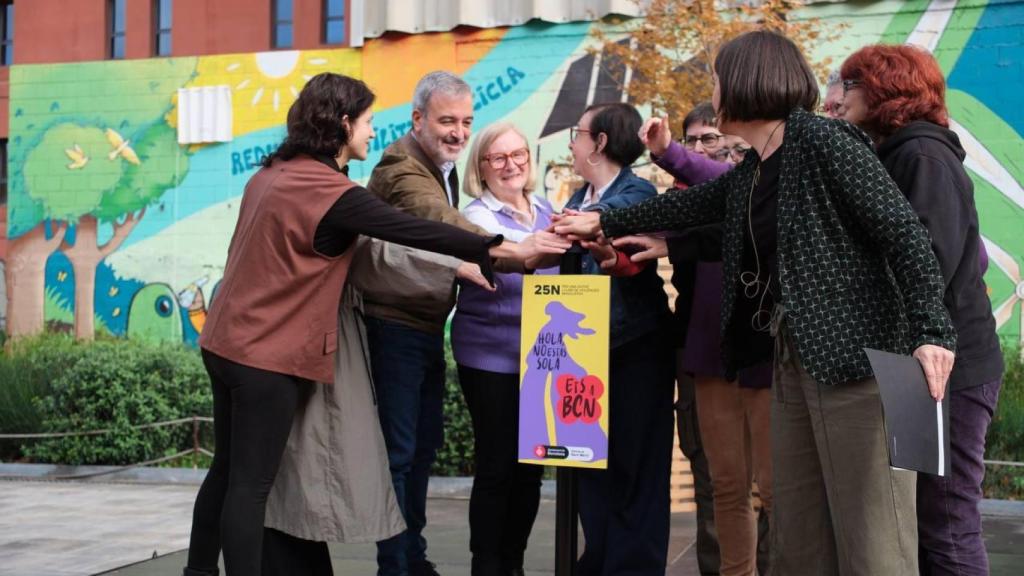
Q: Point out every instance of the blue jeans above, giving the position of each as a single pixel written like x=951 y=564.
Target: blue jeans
x=408 y=373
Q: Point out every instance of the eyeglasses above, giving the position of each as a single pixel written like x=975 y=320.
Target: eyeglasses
x=734 y=153
x=574 y=132
x=519 y=157
x=707 y=140
x=850 y=85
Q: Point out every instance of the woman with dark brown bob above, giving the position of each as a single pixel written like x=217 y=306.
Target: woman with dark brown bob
x=821 y=249
x=897 y=94
x=272 y=332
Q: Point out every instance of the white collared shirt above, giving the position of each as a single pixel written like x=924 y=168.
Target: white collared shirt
x=483 y=214
x=446 y=170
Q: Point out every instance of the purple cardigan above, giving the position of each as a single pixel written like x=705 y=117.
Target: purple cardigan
x=486 y=325
x=702 y=352
x=688 y=167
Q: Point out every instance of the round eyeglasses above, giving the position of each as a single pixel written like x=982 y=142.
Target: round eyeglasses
x=708 y=140
x=574 y=132
x=850 y=85
x=519 y=157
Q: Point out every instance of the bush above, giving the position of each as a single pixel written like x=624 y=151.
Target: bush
x=27 y=368
x=455 y=458
x=118 y=385
x=1005 y=439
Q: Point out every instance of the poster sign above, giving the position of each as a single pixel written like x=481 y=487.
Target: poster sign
x=563 y=394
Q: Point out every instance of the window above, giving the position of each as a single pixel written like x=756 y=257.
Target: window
x=282 y=18
x=116 y=12
x=3 y=170
x=162 y=27
x=334 y=21
x=6 y=33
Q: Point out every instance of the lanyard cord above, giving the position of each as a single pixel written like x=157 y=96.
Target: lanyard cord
x=752 y=283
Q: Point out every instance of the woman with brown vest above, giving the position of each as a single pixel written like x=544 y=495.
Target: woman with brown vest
x=273 y=329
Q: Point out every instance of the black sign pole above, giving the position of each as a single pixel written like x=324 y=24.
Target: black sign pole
x=567 y=495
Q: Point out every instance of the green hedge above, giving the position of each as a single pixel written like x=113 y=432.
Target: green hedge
x=26 y=371
x=1006 y=434
x=455 y=458
x=53 y=384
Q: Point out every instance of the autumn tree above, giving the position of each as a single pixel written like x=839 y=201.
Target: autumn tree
x=665 y=58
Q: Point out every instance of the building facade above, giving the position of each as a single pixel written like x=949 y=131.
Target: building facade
x=118 y=219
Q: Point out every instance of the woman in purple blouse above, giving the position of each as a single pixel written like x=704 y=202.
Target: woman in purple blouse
x=485 y=342
x=733 y=416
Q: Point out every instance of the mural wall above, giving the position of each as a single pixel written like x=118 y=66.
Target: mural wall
x=113 y=227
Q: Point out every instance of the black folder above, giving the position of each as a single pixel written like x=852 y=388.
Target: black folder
x=917 y=427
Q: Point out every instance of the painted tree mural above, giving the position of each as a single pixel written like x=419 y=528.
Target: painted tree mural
x=80 y=207
x=109 y=180
x=90 y=151
x=24 y=275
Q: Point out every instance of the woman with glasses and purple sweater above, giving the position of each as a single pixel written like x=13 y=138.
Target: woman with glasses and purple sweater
x=485 y=343
x=732 y=416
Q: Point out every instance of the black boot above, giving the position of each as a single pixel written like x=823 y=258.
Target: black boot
x=194 y=572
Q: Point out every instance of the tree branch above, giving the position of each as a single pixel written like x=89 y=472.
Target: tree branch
x=121 y=231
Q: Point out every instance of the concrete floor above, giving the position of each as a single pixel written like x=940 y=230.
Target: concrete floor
x=85 y=528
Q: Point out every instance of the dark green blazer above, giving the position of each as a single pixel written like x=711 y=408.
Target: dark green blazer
x=855 y=264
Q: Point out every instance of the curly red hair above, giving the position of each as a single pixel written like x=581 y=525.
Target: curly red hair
x=901 y=84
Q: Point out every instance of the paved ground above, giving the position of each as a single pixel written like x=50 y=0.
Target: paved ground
x=85 y=528
x=449 y=544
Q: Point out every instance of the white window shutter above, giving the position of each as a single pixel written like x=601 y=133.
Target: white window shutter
x=204 y=114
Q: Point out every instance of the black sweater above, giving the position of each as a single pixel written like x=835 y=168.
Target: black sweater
x=926 y=161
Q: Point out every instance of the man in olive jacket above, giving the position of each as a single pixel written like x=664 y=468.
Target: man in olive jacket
x=406 y=330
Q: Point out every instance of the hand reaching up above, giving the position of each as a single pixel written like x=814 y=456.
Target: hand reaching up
x=656 y=135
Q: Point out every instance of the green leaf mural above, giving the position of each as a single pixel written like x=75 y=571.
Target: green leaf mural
x=92 y=147
x=67 y=192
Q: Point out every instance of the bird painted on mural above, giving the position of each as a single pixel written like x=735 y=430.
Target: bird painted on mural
x=77 y=156
x=121 y=147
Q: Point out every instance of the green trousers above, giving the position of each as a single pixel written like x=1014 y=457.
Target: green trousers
x=840 y=509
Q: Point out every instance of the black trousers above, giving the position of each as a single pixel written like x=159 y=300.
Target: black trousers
x=506 y=494
x=624 y=510
x=252 y=417
x=286 y=555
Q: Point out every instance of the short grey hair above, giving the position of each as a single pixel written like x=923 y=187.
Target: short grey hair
x=439 y=81
x=833 y=79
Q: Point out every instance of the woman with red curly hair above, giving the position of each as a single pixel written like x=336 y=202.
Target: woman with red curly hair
x=897 y=95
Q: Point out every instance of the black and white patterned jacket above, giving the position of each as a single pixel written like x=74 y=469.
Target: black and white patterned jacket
x=855 y=264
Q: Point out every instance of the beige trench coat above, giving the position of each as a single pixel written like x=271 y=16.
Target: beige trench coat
x=334 y=484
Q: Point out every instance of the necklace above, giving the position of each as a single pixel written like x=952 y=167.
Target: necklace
x=751 y=281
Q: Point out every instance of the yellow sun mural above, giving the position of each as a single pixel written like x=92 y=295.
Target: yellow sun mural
x=264 y=84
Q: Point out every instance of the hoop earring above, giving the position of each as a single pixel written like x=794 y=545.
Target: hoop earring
x=593 y=163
